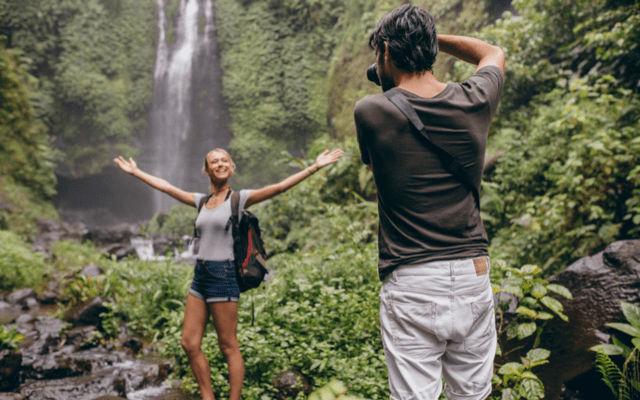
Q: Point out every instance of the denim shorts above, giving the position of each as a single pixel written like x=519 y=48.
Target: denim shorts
x=215 y=281
x=437 y=320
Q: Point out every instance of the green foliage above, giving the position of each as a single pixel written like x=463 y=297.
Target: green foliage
x=20 y=266
x=622 y=376
x=317 y=314
x=175 y=223
x=26 y=157
x=94 y=61
x=10 y=339
x=515 y=380
x=275 y=55
x=71 y=256
x=568 y=167
x=334 y=390
x=566 y=132
x=535 y=306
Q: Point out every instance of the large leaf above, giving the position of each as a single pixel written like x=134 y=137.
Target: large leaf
x=530 y=269
x=511 y=368
x=526 y=329
x=555 y=306
x=538 y=291
x=636 y=343
x=606 y=348
x=626 y=328
x=527 y=312
x=531 y=389
x=632 y=313
x=538 y=354
x=561 y=290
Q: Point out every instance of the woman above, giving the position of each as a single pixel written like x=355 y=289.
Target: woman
x=214 y=289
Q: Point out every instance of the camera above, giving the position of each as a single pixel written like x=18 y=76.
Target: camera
x=372 y=74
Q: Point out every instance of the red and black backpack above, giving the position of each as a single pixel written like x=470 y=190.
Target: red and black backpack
x=248 y=248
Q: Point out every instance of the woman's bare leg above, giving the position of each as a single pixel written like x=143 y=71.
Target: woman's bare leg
x=225 y=320
x=195 y=321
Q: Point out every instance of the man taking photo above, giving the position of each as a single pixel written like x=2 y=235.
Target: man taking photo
x=425 y=142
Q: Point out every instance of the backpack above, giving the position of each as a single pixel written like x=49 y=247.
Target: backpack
x=248 y=247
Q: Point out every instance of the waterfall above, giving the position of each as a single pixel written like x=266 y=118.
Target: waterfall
x=186 y=118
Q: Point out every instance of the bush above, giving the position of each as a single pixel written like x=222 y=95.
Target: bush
x=19 y=265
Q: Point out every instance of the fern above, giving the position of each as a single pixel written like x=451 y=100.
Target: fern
x=611 y=375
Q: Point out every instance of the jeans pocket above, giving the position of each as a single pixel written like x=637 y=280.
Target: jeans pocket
x=411 y=316
x=481 y=335
x=216 y=271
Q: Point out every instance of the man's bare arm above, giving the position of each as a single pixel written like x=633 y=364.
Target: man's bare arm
x=472 y=50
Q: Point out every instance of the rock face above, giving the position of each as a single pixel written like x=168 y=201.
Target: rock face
x=598 y=284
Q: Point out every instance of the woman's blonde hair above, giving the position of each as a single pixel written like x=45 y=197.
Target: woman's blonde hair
x=205 y=166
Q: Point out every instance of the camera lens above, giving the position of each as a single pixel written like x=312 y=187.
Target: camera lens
x=372 y=74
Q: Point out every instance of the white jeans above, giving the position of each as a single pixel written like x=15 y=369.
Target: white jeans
x=437 y=318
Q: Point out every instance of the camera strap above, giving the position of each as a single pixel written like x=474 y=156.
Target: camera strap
x=449 y=161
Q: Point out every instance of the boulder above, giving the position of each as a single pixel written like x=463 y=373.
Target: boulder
x=87 y=313
x=598 y=284
x=8 y=312
x=20 y=296
x=91 y=271
x=289 y=383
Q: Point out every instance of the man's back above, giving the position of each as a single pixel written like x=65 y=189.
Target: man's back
x=426 y=213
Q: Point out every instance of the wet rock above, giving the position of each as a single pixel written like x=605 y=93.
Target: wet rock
x=25 y=319
x=20 y=296
x=91 y=271
x=120 y=250
x=82 y=337
x=87 y=313
x=11 y=396
x=598 y=284
x=51 y=294
x=133 y=344
x=104 y=383
x=289 y=383
x=10 y=362
x=109 y=374
x=8 y=312
x=52 y=231
x=42 y=335
x=32 y=304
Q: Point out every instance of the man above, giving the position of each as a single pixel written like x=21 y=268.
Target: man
x=436 y=304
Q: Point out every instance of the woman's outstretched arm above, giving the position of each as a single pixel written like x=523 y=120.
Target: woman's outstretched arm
x=327 y=157
x=130 y=167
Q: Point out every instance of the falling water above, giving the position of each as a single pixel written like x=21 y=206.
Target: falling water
x=187 y=117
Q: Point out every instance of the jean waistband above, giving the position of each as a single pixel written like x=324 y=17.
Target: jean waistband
x=477 y=266
x=213 y=262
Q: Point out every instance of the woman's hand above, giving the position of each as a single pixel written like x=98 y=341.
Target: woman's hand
x=127 y=166
x=328 y=157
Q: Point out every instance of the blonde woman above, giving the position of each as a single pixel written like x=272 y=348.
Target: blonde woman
x=214 y=290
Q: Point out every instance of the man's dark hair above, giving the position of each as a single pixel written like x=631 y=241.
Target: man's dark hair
x=410 y=33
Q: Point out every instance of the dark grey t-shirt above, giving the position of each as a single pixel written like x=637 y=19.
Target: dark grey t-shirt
x=426 y=213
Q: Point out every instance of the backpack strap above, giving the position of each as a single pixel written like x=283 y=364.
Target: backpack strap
x=450 y=162
x=235 y=209
x=201 y=203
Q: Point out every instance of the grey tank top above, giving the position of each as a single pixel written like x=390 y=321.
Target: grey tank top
x=216 y=243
